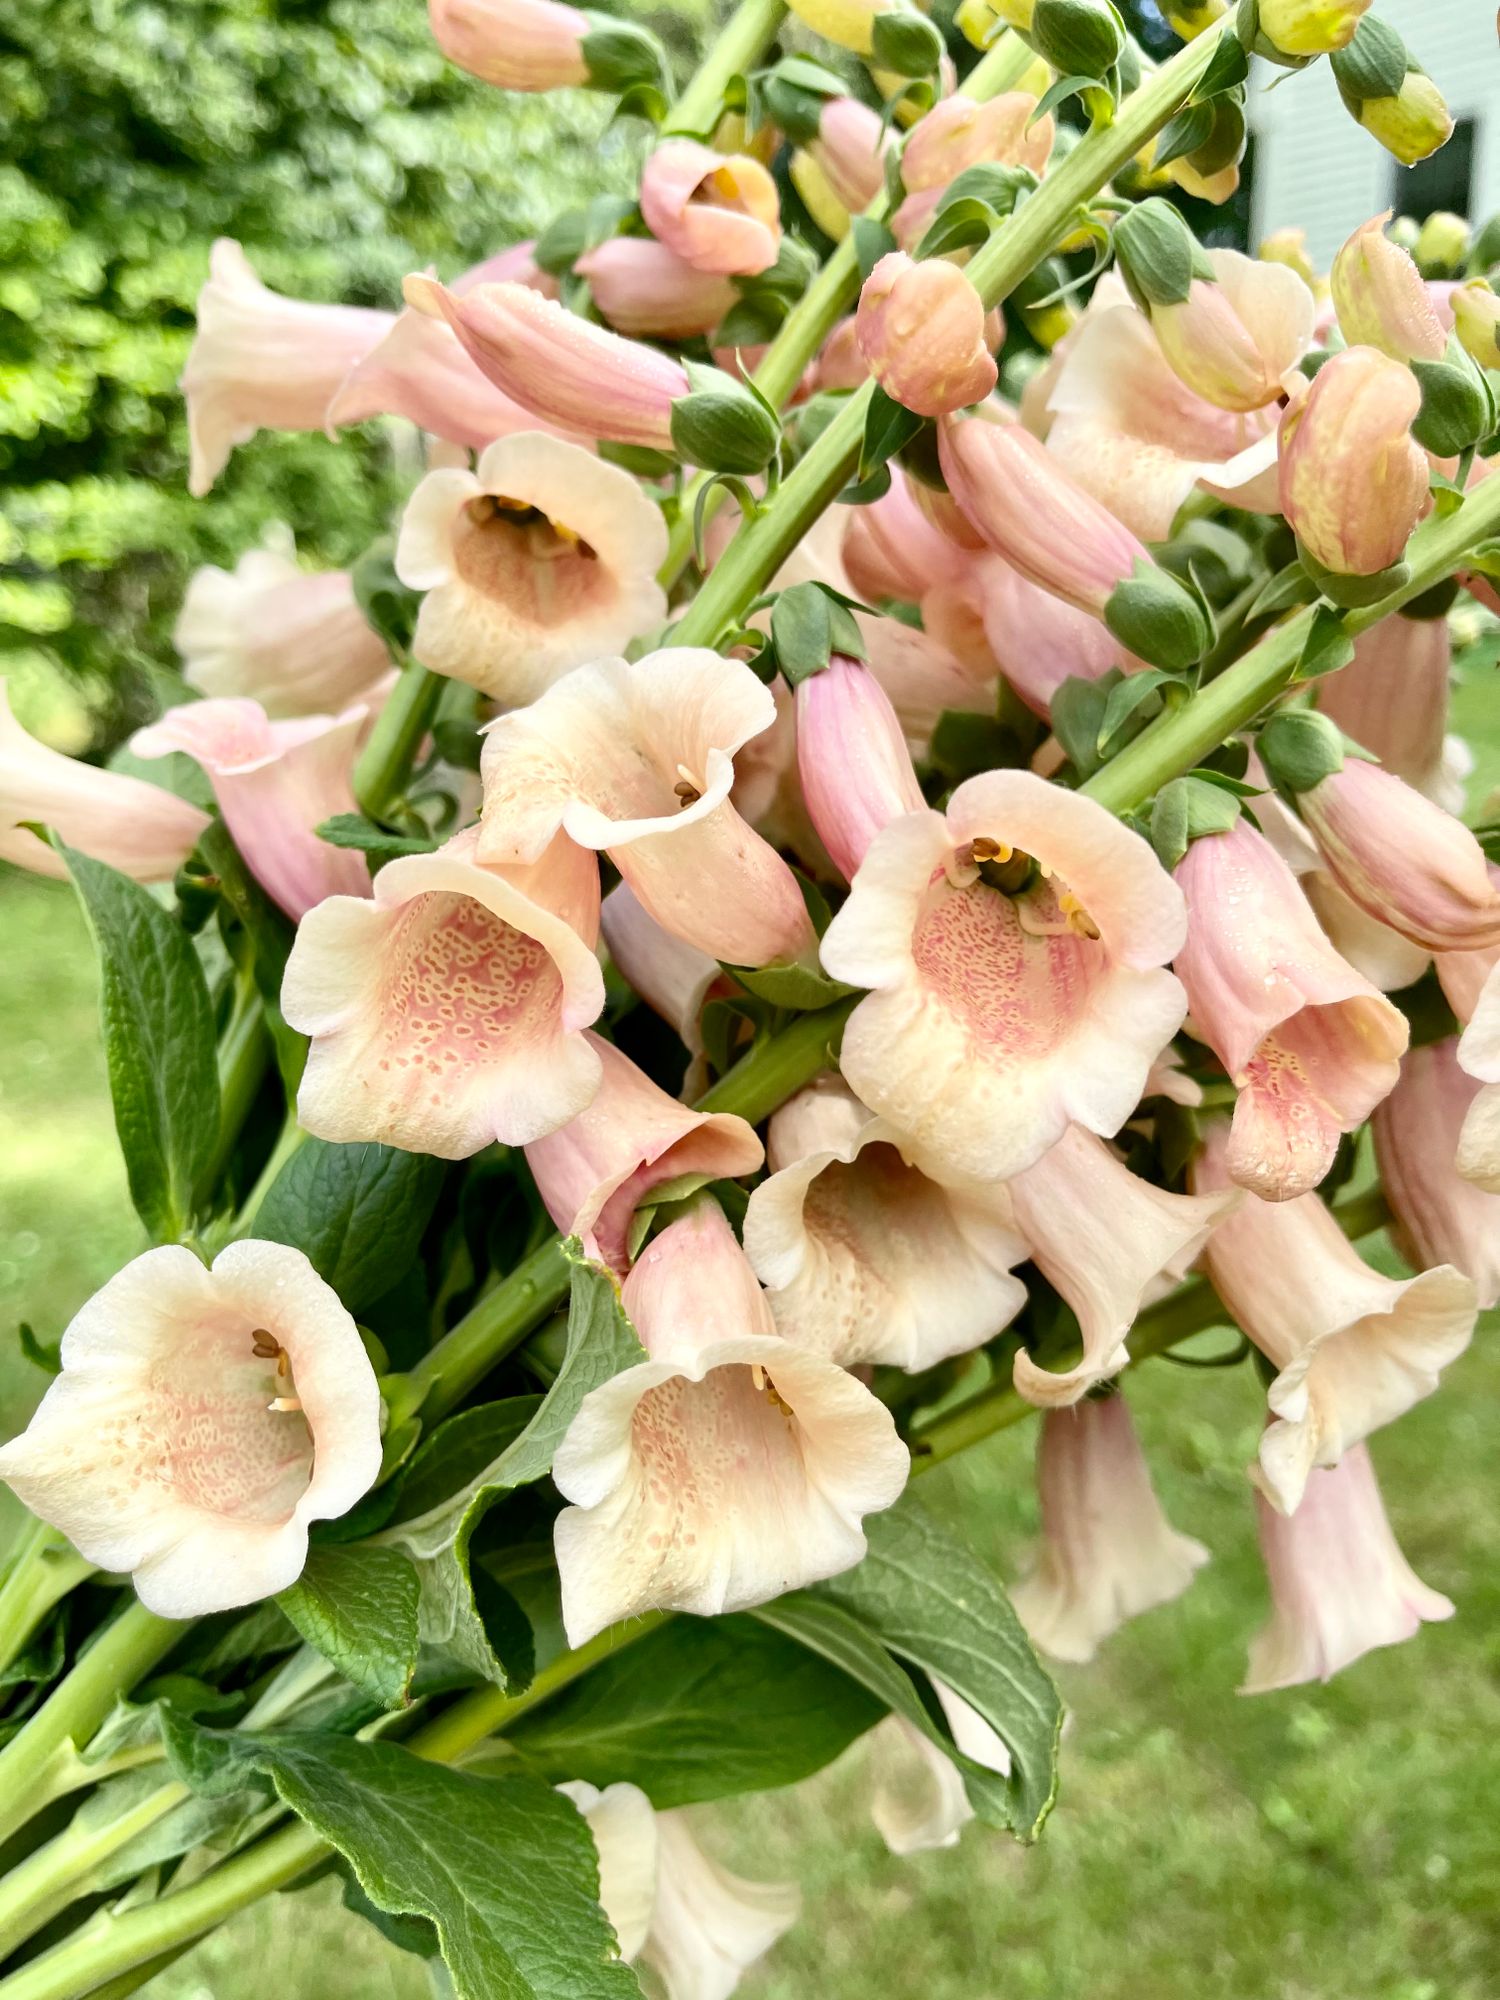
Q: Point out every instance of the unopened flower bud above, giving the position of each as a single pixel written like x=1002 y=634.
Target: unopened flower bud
x=1189 y=18
x=1078 y=37
x=1381 y=299
x=722 y=425
x=1390 y=94
x=718 y=212
x=850 y=24
x=980 y=22
x=1457 y=407
x=1158 y=618
x=544 y=45
x=905 y=42
x=1310 y=27
x=852 y=758
x=1289 y=247
x=1476 y=320
x=920 y=327
x=1299 y=749
x=1354 y=482
x=1442 y=244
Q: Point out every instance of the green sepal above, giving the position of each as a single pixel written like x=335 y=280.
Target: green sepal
x=1458 y=406
x=906 y=43
x=1328 y=647
x=810 y=622
x=1159 y=618
x=619 y=55
x=1184 y=811
x=1374 y=64
x=1300 y=748
x=723 y=425
x=389 y=607
x=888 y=426
x=1352 y=593
x=1078 y=37
x=1158 y=255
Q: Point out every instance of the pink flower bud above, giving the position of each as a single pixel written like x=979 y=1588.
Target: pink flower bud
x=957 y=134
x=856 y=771
x=921 y=329
x=841 y=365
x=1440 y=1217
x=642 y=287
x=719 y=212
x=1382 y=299
x=891 y=549
x=1236 y=336
x=577 y=376
x=850 y=149
x=1038 y=641
x=513 y=44
x=1354 y=482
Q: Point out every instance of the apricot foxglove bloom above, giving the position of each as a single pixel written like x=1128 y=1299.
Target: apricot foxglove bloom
x=145 y=832
x=1439 y=1217
x=637 y=759
x=1479 y=1057
x=1353 y=1350
x=728 y=1467
x=855 y=767
x=541 y=558
x=1016 y=948
x=1340 y=1585
x=1310 y=1043
x=921 y=329
x=919 y=1802
x=263 y=362
x=1037 y=640
x=275 y=782
x=202 y=1420
x=1107 y=1551
x=1382 y=298
x=1354 y=481
x=643 y=288
x=594 y=1172
x=673 y=977
x=1392 y=698
x=513 y=44
x=448 y=1011
x=891 y=549
x=293 y=640
x=1238 y=335
x=718 y=212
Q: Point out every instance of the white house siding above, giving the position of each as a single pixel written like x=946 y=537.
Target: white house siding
x=1316 y=168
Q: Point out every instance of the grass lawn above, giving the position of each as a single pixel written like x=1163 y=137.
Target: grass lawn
x=1323 y=1844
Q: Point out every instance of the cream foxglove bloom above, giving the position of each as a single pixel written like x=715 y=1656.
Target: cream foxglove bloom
x=1439 y=1216
x=275 y=782
x=1392 y=698
x=637 y=759
x=1353 y=1350
x=1479 y=1057
x=673 y=1907
x=448 y=1011
x=1107 y=1551
x=202 y=1419
x=1001 y=1014
x=728 y=1467
x=292 y=639
x=541 y=558
x=918 y=1800
x=145 y=832
x=674 y=978
x=1340 y=1585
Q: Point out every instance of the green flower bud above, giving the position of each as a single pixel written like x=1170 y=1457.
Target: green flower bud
x=1159 y=619
x=1158 y=255
x=620 y=55
x=906 y=43
x=1078 y=37
x=1299 y=749
x=1476 y=320
x=1457 y=407
x=722 y=425
x=1442 y=244
x=1390 y=94
x=1310 y=27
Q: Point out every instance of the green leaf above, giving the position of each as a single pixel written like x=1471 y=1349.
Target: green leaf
x=1078 y=707
x=358 y=1212
x=505 y=1867
x=965 y=743
x=872 y=241
x=460 y=1450
x=934 y=1603
x=268 y=936
x=158 y=1043
x=358 y=1606
x=368 y=836
x=800 y=987
x=1127 y=699
x=888 y=426
x=701 y=1708
x=1328 y=647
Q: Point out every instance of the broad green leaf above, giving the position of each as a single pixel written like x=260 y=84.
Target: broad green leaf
x=268 y=936
x=504 y=1867
x=934 y=1603
x=888 y=426
x=458 y=1451
x=158 y=1043
x=357 y=1211
x=701 y=1708
x=368 y=836
x=358 y=1606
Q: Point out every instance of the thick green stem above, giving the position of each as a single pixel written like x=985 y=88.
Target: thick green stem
x=43 y=1570
x=386 y=760
x=244 y=1057
x=72 y=1865
x=743 y=40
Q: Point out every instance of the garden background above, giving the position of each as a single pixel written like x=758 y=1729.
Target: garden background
x=1303 y=1846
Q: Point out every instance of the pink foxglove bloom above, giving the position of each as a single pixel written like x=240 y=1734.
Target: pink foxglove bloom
x=594 y=1172
x=541 y=558
x=1038 y=641
x=202 y=1420
x=275 y=783
x=718 y=212
x=1382 y=298
x=422 y=371
x=576 y=377
x=1479 y=1057
x=1353 y=1350
x=1354 y=481
x=145 y=832
x=1439 y=1217
x=918 y=1801
x=449 y=1011
x=638 y=760
x=293 y=640
x=1237 y=336
x=1402 y=859
x=1392 y=698
x=957 y=134
x=921 y=330
x=263 y=362
x=891 y=549
x=863 y=1256
x=1016 y=949
x=849 y=151
x=513 y=44
x=1107 y=1551
x=673 y=1907
x=1340 y=1585
x=729 y=1466
x=1310 y=1043
x=856 y=770
x=643 y=288
x=673 y=977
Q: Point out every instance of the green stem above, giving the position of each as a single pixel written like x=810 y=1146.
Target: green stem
x=386 y=760
x=43 y=1570
x=72 y=1865
x=244 y=1056
x=292 y=1137
x=743 y=40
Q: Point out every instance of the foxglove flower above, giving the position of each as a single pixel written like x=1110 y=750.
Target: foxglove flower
x=643 y=288
x=919 y=1802
x=1392 y=699
x=202 y=1420
x=718 y=212
x=1382 y=298
x=921 y=329
x=674 y=978
x=1354 y=482
x=956 y=134
x=1238 y=335
x=513 y=44
x=856 y=770
x=1439 y=1217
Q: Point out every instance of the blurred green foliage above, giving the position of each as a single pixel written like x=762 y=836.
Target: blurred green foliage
x=334 y=141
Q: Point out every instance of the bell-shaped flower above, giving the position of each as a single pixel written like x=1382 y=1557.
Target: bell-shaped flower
x=921 y=329
x=1107 y=1551
x=644 y=289
x=1310 y=1044
x=1353 y=1350
x=918 y=1800
x=263 y=362
x=1382 y=298
x=1402 y=859
x=541 y=558
x=848 y=152
x=275 y=783
x=448 y=1011
x=1392 y=698
x=594 y=1172
x=719 y=212
x=1237 y=335
x=202 y=1420
x=729 y=1466
x=1038 y=641
x=577 y=377
x=856 y=770
x=673 y=1907
x=145 y=832
x=293 y=640
x=1479 y=1057
x=1016 y=948
x=638 y=760
x=674 y=978
x=1439 y=1216
x=1354 y=481
x=513 y=44
x=958 y=133
x=864 y=1257
x=1340 y=1585
x=891 y=549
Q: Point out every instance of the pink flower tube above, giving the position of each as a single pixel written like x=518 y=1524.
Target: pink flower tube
x=643 y=288
x=1440 y=1217
x=856 y=770
x=718 y=212
x=1354 y=482
x=513 y=44
x=1392 y=698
